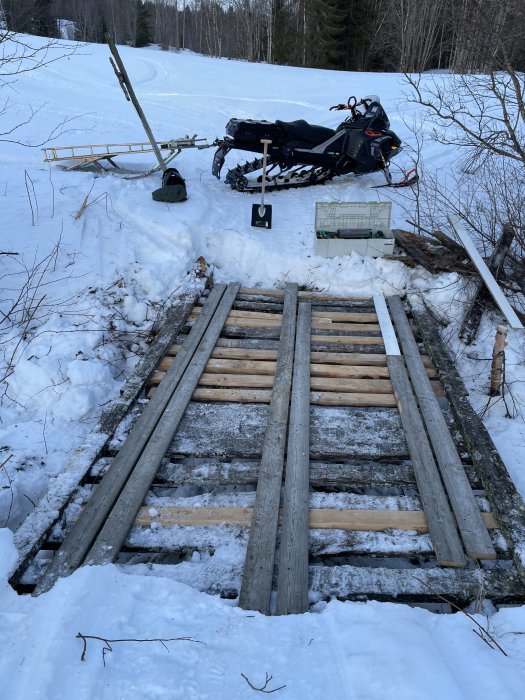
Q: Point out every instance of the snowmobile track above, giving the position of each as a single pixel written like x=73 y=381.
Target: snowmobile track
x=284 y=446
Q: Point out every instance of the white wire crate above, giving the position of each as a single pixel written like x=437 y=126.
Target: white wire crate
x=344 y=227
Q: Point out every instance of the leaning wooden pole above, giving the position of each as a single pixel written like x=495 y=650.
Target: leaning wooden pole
x=127 y=87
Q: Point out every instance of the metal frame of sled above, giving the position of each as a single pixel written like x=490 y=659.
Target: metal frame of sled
x=101 y=155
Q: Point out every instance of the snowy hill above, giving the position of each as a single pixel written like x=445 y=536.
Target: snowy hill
x=95 y=284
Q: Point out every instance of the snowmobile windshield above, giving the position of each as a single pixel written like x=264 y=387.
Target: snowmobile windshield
x=374 y=119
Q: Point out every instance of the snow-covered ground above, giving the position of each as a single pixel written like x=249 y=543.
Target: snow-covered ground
x=94 y=285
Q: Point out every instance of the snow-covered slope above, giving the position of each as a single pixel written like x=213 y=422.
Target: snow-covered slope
x=97 y=283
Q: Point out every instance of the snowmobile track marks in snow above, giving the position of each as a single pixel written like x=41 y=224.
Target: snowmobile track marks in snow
x=342 y=474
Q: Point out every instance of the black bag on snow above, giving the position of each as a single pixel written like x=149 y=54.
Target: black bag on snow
x=173 y=187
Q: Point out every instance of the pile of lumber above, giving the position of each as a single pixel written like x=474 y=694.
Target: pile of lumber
x=440 y=253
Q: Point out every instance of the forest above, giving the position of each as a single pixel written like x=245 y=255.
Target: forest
x=357 y=35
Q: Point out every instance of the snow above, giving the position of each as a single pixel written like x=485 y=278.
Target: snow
x=99 y=281
x=357 y=650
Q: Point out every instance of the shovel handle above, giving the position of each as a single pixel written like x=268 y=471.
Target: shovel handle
x=266 y=143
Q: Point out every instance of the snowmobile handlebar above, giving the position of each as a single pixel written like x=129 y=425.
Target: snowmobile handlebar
x=352 y=104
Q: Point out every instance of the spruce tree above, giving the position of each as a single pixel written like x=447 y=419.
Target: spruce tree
x=282 y=32
x=143 y=31
x=332 y=33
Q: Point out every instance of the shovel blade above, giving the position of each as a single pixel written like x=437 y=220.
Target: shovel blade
x=262 y=216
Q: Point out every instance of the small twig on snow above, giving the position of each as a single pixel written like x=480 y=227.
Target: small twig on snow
x=263 y=689
x=108 y=642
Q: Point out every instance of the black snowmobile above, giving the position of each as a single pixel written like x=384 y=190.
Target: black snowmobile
x=362 y=144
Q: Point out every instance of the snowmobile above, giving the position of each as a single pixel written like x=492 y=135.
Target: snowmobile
x=363 y=143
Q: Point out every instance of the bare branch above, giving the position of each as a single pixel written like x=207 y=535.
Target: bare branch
x=107 y=643
x=263 y=688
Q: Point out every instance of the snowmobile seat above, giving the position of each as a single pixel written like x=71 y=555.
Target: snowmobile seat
x=301 y=131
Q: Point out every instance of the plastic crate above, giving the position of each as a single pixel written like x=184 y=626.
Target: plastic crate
x=336 y=219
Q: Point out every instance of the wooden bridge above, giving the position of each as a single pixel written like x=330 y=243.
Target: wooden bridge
x=282 y=446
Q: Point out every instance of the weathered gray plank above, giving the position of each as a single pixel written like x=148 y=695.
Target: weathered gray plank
x=442 y=527
x=506 y=502
x=349 y=347
x=325 y=543
x=481 y=297
x=90 y=521
x=237 y=430
x=258 y=306
x=470 y=523
x=327 y=476
x=345 y=308
x=459 y=585
x=34 y=529
x=257 y=578
x=118 y=523
x=243 y=332
x=292 y=580
x=249 y=343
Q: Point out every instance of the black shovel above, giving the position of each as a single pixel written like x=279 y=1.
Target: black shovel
x=261 y=214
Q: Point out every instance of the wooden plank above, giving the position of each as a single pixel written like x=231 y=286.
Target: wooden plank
x=35 y=527
x=230 y=366
x=363 y=582
x=481 y=297
x=347 y=379
x=340 y=358
x=243 y=313
x=473 y=532
x=257 y=577
x=460 y=586
x=337 y=398
x=250 y=332
x=326 y=476
x=322 y=543
x=387 y=329
x=348 y=339
x=242 y=396
x=240 y=340
x=237 y=380
x=318 y=398
x=493 y=287
x=235 y=353
x=319 y=518
x=337 y=433
x=302 y=295
x=349 y=358
x=318 y=324
x=272 y=306
x=447 y=545
x=348 y=371
x=292 y=578
x=119 y=521
x=323 y=383
x=74 y=548
x=505 y=500
x=346 y=316
x=236 y=366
